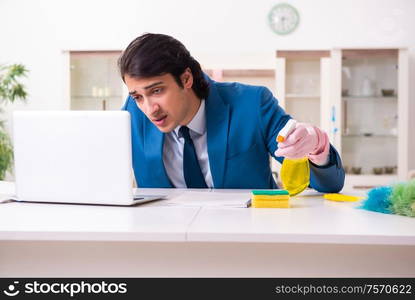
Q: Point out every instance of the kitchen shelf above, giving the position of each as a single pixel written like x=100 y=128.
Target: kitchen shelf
x=364 y=73
x=370 y=136
x=376 y=98
x=309 y=86
x=305 y=96
x=94 y=81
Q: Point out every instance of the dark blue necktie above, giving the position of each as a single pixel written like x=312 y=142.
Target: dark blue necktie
x=192 y=172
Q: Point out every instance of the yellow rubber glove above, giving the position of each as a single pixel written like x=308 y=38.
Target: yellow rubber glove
x=295 y=175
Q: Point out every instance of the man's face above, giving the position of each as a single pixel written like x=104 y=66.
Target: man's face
x=161 y=99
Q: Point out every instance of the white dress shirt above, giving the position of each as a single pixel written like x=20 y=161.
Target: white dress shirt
x=174 y=145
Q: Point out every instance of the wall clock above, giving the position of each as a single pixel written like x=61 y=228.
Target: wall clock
x=283 y=18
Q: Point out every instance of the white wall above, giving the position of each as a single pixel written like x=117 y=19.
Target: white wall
x=219 y=33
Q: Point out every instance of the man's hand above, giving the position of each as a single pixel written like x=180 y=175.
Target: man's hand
x=306 y=140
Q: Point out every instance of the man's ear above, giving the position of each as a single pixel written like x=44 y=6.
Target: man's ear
x=187 y=78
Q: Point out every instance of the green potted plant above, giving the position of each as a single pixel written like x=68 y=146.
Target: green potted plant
x=11 y=89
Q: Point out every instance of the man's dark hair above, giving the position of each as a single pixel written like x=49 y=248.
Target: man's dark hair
x=158 y=54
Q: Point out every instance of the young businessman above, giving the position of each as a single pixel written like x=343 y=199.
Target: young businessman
x=190 y=131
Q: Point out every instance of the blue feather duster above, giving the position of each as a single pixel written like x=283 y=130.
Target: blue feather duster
x=378 y=199
x=397 y=199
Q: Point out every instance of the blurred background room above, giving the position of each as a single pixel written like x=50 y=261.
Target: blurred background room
x=343 y=65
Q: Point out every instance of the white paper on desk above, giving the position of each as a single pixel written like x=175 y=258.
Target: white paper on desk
x=211 y=199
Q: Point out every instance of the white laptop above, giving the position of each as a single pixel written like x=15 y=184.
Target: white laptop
x=74 y=157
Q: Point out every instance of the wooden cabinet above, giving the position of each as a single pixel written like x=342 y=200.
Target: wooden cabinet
x=303 y=86
x=370 y=94
x=93 y=81
x=360 y=98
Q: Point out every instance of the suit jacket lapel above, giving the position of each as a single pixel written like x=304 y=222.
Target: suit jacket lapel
x=217 y=124
x=153 y=149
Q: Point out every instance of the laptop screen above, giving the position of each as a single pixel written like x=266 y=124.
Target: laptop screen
x=73 y=156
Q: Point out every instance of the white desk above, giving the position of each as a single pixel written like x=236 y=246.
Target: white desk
x=313 y=238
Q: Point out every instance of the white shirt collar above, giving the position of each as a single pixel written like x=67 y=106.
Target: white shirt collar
x=198 y=123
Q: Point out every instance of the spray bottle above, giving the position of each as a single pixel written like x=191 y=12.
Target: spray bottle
x=295 y=173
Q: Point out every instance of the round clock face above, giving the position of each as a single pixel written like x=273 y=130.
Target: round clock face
x=283 y=18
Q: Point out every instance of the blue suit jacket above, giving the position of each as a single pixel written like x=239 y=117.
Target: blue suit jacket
x=242 y=123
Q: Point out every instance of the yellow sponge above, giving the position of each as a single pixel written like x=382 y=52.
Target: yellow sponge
x=270 y=197
x=342 y=198
x=271 y=204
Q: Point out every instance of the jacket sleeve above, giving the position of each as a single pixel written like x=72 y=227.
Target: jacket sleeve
x=328 y=178
x=272 y=118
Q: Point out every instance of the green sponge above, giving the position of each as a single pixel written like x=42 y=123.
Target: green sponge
x=270 y=192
